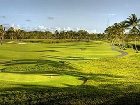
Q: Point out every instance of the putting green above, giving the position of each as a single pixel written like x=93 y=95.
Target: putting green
x=38 y=79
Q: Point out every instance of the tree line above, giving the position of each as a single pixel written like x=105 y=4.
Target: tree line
x=80 y=35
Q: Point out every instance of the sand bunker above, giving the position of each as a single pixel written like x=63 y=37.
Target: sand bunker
x=22 y=43
x=11 y=42
x=16 y=42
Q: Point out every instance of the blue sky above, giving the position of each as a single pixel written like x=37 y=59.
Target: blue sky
x=92 y=15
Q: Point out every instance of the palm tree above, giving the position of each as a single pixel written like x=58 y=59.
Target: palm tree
x=115 y=32
x=133 y=23
x=122 y=36
x=17 y=33
x=2 y=32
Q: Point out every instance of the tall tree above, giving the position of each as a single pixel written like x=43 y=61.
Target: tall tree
x=11 y=32
x=133 y=23
x=2 y=32
x=114 y=33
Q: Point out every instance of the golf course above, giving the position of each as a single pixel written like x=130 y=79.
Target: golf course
x=69 y=52
x=80 y=73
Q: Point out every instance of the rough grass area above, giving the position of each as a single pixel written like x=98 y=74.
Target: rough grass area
x=77 y=73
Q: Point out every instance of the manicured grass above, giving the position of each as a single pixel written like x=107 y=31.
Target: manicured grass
x=68 y=73
x=39 y=57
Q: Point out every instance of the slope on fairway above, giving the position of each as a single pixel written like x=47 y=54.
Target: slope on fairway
x=77 y=73
x=30 y=57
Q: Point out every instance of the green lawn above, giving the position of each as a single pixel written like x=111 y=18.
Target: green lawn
x=77 y=73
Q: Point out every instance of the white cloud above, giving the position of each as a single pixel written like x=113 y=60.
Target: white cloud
x=41 y=27
x=67 y=29
x=15 y=26
x=92 y=31
x=51 y=29
x=111 y=14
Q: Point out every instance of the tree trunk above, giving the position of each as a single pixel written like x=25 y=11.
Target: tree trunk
x=136 y=45
x=1 y=40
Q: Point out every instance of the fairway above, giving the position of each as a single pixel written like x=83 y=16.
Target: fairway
x=78 y=67
x=46 y=57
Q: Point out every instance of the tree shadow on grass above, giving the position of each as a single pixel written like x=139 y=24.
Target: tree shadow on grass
x=36 y=62
x=113 y=94
x=47 y=51
x=105 y=94
x=57 y=47
x=74 y=58
x=49 y=67
x=67 y=58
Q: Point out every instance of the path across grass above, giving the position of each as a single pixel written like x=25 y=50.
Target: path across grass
x=123 y=53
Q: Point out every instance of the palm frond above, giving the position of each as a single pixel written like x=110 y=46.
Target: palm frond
x=138 y=20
